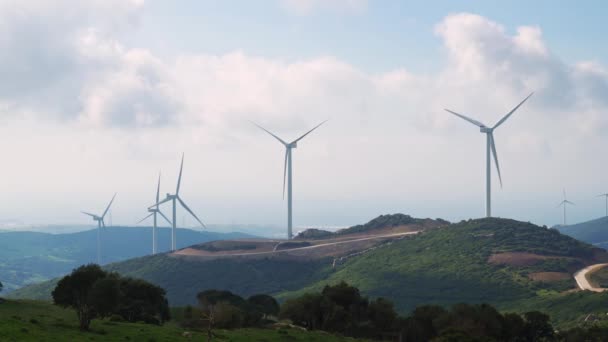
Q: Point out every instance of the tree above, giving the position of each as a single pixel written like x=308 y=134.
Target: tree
x=537 y=326
x=1 y=286
x=74 y=291
x=264 y=304
x=142 y=301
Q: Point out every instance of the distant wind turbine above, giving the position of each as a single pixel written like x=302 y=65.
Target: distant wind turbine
x=153 y=211
x=175 y=198
x=100 y=223
x=287 y=172
x=490 y=146
x=605 y=195
x=564 y=203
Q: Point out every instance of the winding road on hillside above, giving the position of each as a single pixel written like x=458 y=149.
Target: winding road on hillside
x=187 y=251
x=582 y=281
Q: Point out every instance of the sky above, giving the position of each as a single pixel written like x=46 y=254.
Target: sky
x=99 y=96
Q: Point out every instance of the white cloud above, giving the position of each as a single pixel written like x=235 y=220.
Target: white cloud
x=124 y=112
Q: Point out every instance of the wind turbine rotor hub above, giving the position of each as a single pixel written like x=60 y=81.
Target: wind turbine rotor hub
x=484 y=129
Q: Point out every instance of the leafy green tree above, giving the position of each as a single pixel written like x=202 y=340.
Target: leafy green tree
x=142 y=301
x=74 y=291
x=265 y=304
x=537 y=326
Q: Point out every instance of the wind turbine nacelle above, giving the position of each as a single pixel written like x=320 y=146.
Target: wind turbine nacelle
x=293 y=145
x=168 y=195
x=484 y=129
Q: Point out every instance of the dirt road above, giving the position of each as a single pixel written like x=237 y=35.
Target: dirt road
x=190 y=252
x=582 y=281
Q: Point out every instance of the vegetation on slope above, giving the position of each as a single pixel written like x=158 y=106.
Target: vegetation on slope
x=451 y=265
x=594 y=232
x=39 y=321
x=380 y=222
x=33 y=257
x=502 y=262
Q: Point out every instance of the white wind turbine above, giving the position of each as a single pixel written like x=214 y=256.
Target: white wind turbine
x=100 y=223
x=175 y=198
x=605 y=195
x=490 y=148
x=153 y=212
x=287 y=172
x=564 y=203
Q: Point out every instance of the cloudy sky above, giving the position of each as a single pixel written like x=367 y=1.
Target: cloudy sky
x=98 y=96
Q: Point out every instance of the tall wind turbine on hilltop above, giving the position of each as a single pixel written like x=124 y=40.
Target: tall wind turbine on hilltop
x=153 y=211
x=287 y=172
x=175 y=198
x=564 y=204
x=490 y=148
x=605 y=195
x=100 y=223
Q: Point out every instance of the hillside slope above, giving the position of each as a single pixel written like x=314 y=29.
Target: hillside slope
x=594 y=232
x=29 y=257
x=503 y=262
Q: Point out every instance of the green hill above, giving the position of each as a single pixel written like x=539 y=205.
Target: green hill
x=594 y=232
x=506 y=263
x=33 y=257
x=39 y=321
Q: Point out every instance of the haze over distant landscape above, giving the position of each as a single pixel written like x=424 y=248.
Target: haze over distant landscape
x=100 y=96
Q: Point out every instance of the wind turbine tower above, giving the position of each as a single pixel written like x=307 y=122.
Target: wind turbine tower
x=153 y=212
x=490 y=148
x=174 y=199
x=287 y=173
x=564 y=204
x=100 y=223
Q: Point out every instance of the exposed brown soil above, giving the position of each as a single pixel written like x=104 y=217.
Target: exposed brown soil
x=549 y=276
x=518 y=258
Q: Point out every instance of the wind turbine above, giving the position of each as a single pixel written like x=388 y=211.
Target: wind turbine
x=564 y=203
x=100 y=223
x=287 y=173
x=605 y=195
x=490 y=146
x=175 y=198
x=153 y=211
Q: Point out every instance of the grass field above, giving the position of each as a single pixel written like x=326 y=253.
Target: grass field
x=40 y=321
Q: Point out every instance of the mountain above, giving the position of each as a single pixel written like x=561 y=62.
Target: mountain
x=29 y=257
x=513 y=265
x=594 y=232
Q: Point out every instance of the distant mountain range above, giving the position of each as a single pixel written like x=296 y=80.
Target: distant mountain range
x=30 y=257
x=594 y=232
x=514 y=265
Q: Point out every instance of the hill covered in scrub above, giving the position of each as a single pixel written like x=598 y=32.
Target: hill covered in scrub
x=381 y=224
x=31 y=257
x=503 y=262
x=594 y=232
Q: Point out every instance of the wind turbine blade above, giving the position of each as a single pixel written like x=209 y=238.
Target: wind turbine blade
x=511 y=112
x=493 y=146
x=191 y=212
x=103 y=223
x=108 y=207
x=267 y=131
x=307 y=133
x=179 y=179
x=84 y=212
x=158 y=189
x=155 y=205
x=568 y=202
x=165 y=217
x=474 y=122
x=287 y=151
x=142 y=220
